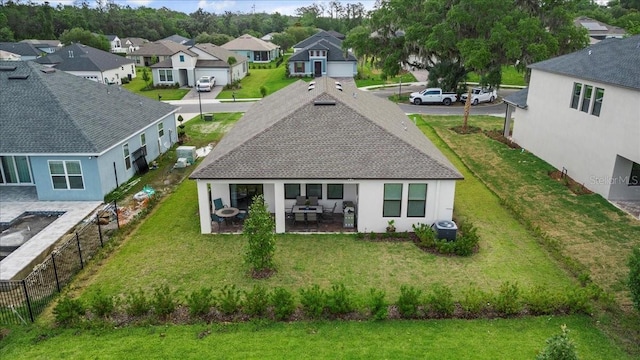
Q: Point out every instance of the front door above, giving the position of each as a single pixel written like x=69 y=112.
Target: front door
x=242 y=194
x=317 y=68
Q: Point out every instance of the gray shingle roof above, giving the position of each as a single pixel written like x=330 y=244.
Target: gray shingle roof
x=219 y=52
x=518 y=99
x=59 y=113
x=248 y=42
x=78 y=57
x=161 y=48
x=317 y=37
x=287 y=136
x=21 y=48
x=334 y=53
x=179 y=39
x=611 y=61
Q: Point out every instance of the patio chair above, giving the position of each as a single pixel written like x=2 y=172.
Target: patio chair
x=301 y=200
x=298 y=217
x=312 y=217
x=313 y=200
x=217 y=204
x=241 y=215
x=217 y=219
x=327 y=213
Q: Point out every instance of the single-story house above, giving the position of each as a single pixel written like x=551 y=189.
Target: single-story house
x=25 y=51
x=581 y=114
x=151 y=53
x=322 y=55
x=334 y=142
x=187 y=65
x=75 y=139
x=254 y=49
x=47 y=46
x=91 y=63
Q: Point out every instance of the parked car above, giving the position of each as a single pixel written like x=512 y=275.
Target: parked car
x=432 y=96
x=205 y=83
x=479 y=95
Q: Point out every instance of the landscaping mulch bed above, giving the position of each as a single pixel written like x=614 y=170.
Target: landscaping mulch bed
x=574 y=186
x=498 y=136
x=469 y=130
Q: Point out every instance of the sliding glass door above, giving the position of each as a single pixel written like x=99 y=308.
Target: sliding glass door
x=15 y=170
x=242 y=194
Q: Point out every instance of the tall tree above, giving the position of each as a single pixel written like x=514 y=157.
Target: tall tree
x=259 y=230
x=85 y=37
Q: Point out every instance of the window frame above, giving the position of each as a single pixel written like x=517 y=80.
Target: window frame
x=10 y=163
x=66 y=174
x=291 y=197
x=386 y=200
x=634 y=175
x=308 y=193
x=160 y=130
x=127 y=156
x=143 y=142
x=597 y=101
x=587 y=94
x=414 y=201
x=576 y=95
x=299 y=66
x=334 y=197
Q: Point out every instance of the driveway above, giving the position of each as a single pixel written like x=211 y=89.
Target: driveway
x=204 y=95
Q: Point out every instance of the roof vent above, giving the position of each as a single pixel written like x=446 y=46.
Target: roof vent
x=48 y=70
x=312 y=83
x=324 y=103
x=338 y=86
x=311 y=87
x=8 y=68
x=18 y=77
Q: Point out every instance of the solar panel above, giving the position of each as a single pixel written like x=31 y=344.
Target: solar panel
x=594 y=26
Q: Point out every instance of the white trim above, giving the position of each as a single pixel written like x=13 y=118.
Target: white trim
x=66 y=175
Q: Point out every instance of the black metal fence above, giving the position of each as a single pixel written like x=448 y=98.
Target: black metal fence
x=22 y=300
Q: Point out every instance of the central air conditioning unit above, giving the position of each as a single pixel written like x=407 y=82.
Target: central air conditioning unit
x=181 y=163
x=187 y=152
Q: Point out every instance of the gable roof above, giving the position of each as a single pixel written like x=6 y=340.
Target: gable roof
x=179 y=39
x=78 y=57
x=20 y=48
x=219 y=52
x=248 y=42
x=518 y=98
x=597 y=29
x=111 y=37
x=322 y=35
x=295 y=133
x=160 y=48
x=135 y=41
x=611 y=61
x=42 y=43
x=334 y=53
x=52 y=112
x=336 y=34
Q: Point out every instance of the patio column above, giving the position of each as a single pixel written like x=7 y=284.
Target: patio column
x=507 y=121
x=279 y=207
x=204 y=207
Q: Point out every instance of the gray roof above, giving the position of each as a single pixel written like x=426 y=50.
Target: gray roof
x=58 y=113
x=596 y=28
x=160 y=48
x=291 y=135
x=321 y=35
x=334 y=53
x=611 y=61
x=20 y=48
x=248 y=42
x=219 y=52
x=135 y=41
x=177 y=39
x=38 y=42
x=111 y=37
x=518 y=99
x=78 y=57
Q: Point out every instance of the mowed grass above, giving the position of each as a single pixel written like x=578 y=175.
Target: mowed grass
x=435 y=339
x=272 y=79
x=201 y=133
x=368 y=76
x=137 y=86
x=510 y=76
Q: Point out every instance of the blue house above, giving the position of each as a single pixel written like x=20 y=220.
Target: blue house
x=74 y=139
x=322 y=55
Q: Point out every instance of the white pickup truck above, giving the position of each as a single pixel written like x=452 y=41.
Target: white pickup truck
x=432 y=96
x=205 y=83
x=479 y=95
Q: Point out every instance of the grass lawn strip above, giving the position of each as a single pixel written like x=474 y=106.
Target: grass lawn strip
x=137 y=85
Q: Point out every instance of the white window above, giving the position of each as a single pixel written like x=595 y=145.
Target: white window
x=160 y=130
x=166 y=75
x=127 y=156
x=597 y=102
x=66 y=174
x=143 y=142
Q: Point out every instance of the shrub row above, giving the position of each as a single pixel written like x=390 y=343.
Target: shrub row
x=466 y=242
x=314 y=302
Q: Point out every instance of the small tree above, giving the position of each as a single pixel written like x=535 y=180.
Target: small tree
x=263 y=91
x=559 y=347
x=231 y=60
x=258 y=228
x=145 y=76
x=634 y=277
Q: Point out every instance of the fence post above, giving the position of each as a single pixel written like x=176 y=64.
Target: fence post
x=26 y=294
x=55 y=271
x=99 y=229
x=79 y=250
x=115 y=206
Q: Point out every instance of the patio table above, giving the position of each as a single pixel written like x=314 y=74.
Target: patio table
x=227 y=213
x=307 y=209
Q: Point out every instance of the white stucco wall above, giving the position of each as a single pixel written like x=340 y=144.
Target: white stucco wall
x=586 y=145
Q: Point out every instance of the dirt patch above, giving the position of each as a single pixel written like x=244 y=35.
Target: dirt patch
x=571 y=184
x=498 y=136
x=468 y=130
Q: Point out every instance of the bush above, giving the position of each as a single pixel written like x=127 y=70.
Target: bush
x=256 y=301
x=263 y=91
x=475 y=300
x=426 y=235
x=313 y=301
x=229 y=299
x=578 y=301
x=124 y=80
x=540 y=301
x=634 y=277
x=559 y=347
x=467 y=242
x=100 y=304
x=68 y=311
x=163 y=301
x=200 y=301
x=507 y=301
x=377 y=306
x=340 y=300
x=137 y=303
x=283 y=304
x=408 y=301
x=440 y=300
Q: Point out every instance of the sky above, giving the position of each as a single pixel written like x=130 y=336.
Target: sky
x=285 y=7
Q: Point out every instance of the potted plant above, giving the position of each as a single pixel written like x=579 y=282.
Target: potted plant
x=307 y=203
x=391 y=227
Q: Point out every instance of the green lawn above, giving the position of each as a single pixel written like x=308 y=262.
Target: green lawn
x=272 y=79
x=137 y=85
x=440 y=339
x=368 y=76
x=510 y=76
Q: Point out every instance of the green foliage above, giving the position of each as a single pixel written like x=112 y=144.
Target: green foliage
x=408 y=301
x=258 y=229
x=263 y=91
x=559 y=347
x=137 y=303
x=579 y=301
x=145 y=76
x=475 y=300
x=468 y=241
x=283 y=303
x=232 y=60
x=464 y=245
x=507 y=301
x=216 y=39
x=163 y=301
x=425 y=234
x=541 y=301
x=256 y=301
x=68 y=311
x=634 y=277
x=200 y=301
x=100 y=304
x=440 y=300
x=340 y=300
x=229 y=299
x=85 y=37
x=378 y=307
x=391 y=227
x=313 y=300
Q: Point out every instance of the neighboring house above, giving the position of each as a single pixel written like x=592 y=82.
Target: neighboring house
x=582 y=115
x=187 y=65
x=157 y=51
x=268 y=37
x=91 y=63
x=598 y=30
x=132 y=44
x=9 y=56
x=336 y=34
x=254 y=49
x=25 y=51
x=178 y=39
x=335 y=142
x=47 y=46
x=74 y=139
x=115 y=43
x=322 y=55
